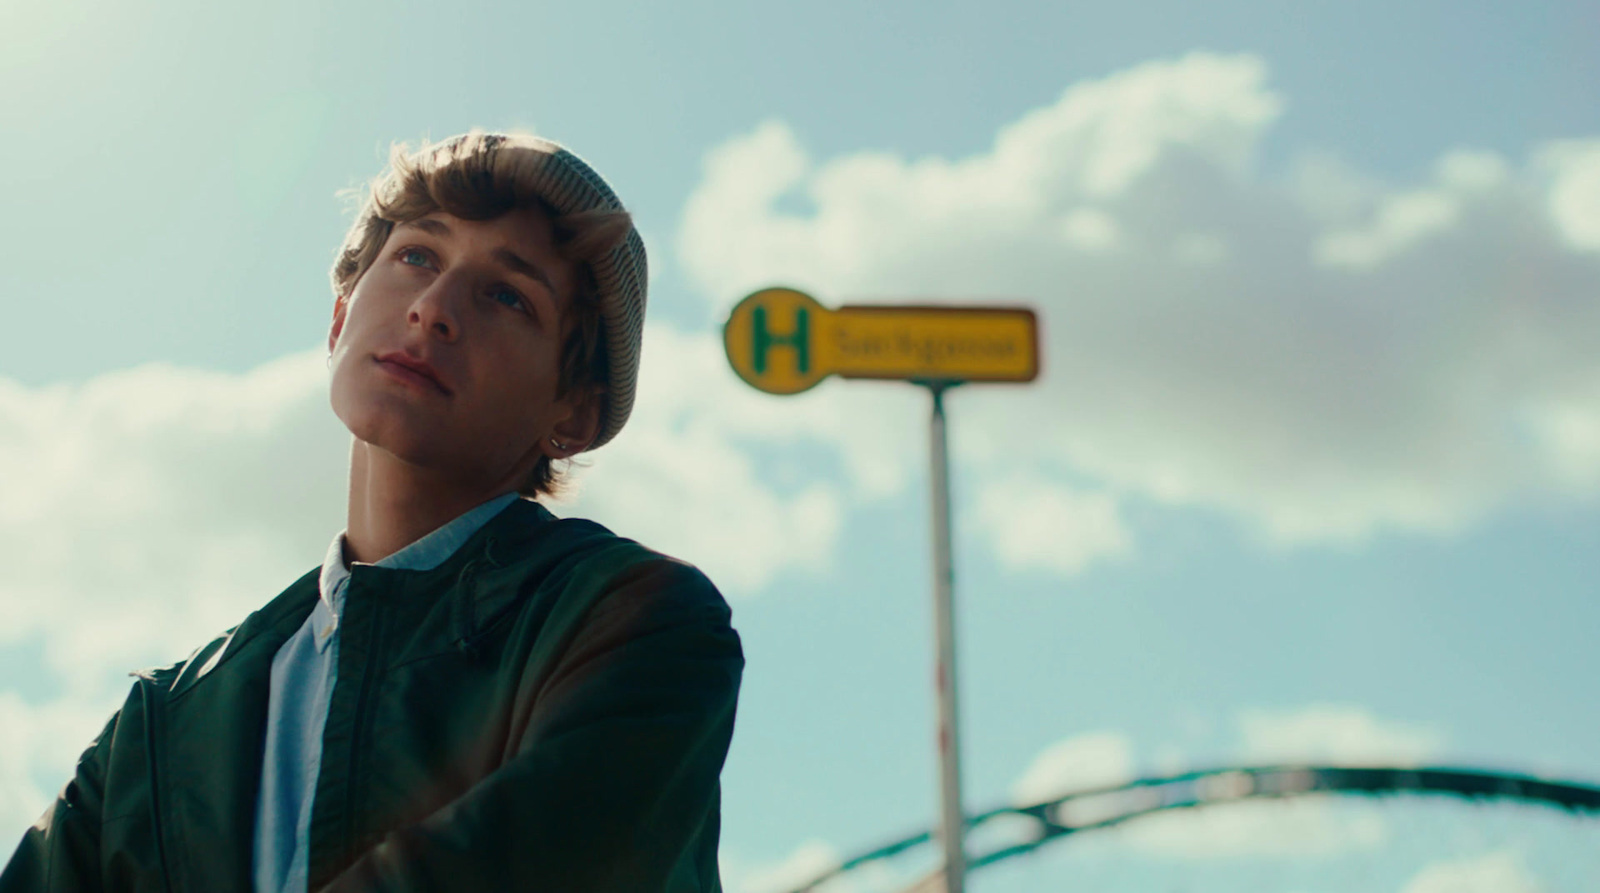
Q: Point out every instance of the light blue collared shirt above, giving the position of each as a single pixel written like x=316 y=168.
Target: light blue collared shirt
x=303 y=675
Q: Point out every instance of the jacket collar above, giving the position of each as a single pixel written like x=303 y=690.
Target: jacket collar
x=482 y=566
x=426 y=553
x=484 y=577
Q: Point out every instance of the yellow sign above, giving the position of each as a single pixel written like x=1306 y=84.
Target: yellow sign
x=782 y=341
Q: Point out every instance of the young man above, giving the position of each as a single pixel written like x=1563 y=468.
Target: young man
x=469 y=694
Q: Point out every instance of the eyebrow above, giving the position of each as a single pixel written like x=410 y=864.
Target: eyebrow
x=505 y=256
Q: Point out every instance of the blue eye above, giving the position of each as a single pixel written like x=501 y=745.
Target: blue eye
x=407 y=254
x=508 y=297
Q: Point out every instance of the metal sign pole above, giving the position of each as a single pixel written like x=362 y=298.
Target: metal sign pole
x=783 y=341
x=952 y=823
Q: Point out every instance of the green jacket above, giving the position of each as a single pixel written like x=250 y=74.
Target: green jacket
x=548 y=710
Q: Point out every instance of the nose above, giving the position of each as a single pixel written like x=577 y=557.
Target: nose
x=436 y=308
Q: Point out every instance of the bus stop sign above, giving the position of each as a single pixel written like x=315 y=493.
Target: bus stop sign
x=782 y=341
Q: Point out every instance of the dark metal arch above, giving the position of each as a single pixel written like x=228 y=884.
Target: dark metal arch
x=1107 y=806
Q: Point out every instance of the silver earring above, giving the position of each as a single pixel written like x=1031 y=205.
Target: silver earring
x=557 y=444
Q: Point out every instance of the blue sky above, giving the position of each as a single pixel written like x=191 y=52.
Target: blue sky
x=1311 y=472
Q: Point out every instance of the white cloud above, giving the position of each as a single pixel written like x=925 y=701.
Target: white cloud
x=1340 y=734
x=1034 y=523
x=807 y=861
x=1574 y=196
x=1079 y=763
x=876 y=213
x=1326 y=356
x=149 y=509
x=1500 y=872
x=1569 y=432
x=1202 y=249
x=1400 y=223
x=1295 y=828
x=1470 y=171
x=1089 y=229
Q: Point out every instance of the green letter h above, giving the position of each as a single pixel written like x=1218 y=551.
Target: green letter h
x=764 y=340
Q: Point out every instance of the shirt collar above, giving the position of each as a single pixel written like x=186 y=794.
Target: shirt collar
x=426 y=553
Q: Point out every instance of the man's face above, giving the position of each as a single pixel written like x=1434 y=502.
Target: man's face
x=447 y=351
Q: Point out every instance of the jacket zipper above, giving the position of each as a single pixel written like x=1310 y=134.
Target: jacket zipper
x=358 y=733
x=151 y=764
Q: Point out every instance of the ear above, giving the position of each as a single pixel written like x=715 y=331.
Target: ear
x=341 y=306
x=580 y=426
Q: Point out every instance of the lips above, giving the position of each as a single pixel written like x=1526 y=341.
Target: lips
x=409 y=368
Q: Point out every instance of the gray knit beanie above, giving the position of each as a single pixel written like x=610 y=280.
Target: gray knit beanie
x=568 y=184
